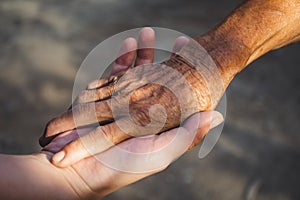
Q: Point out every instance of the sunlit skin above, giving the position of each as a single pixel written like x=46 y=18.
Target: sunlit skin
x=250 y=31
x=253 y=29
x=34 y=177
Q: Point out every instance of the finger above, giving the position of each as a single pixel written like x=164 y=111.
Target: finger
x=195 y=126
x=155 y=153
x=136 y=145
x=60 y=141
x=97 y=141
x=99 y=89
x=126 y=56
x=145 y=53
x=154 y=143
x=84 y=114
x=95 y=95
x=107 y=136
x=179 y=43
x=97 y=83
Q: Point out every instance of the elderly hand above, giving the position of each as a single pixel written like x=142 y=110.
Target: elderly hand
x=141 y=101
x=131 y=160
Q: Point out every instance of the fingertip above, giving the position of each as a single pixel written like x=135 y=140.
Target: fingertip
x=125 y=56
x=203 y=120
x=197 y=120
x=129 y=44
x=66 y=158
x=50 y=132
x=58 y=158
x=60 y=124
x=147 y=32
x=146 y=43
x=146 y=38
x=182 y=39
x=70 y=154
x=179 y=43
x=216 y=119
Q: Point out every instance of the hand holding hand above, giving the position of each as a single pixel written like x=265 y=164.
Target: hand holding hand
x=142 y=100
x=103 y=173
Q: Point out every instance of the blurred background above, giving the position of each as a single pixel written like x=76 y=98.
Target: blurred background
x=42 y=44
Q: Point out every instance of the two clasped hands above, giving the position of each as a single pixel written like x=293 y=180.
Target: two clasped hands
x=70 y=167
x=91 y=166
x=81 y=156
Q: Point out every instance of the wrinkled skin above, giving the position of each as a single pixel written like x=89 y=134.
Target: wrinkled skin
x=139 y=100
x=144 y=100
x=252 y=30
x=180 y=79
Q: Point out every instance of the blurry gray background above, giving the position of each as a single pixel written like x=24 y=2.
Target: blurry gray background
x=42 y=44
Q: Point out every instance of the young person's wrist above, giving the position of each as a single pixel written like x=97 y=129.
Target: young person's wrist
x=58 y=176
x=72 y=182
x=78 y=185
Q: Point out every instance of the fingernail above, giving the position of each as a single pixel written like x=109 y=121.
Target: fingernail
x=46 y=140
x=216 y=119
x=58 y=157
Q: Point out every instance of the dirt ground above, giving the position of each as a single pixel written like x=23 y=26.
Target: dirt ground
x=42 y=44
